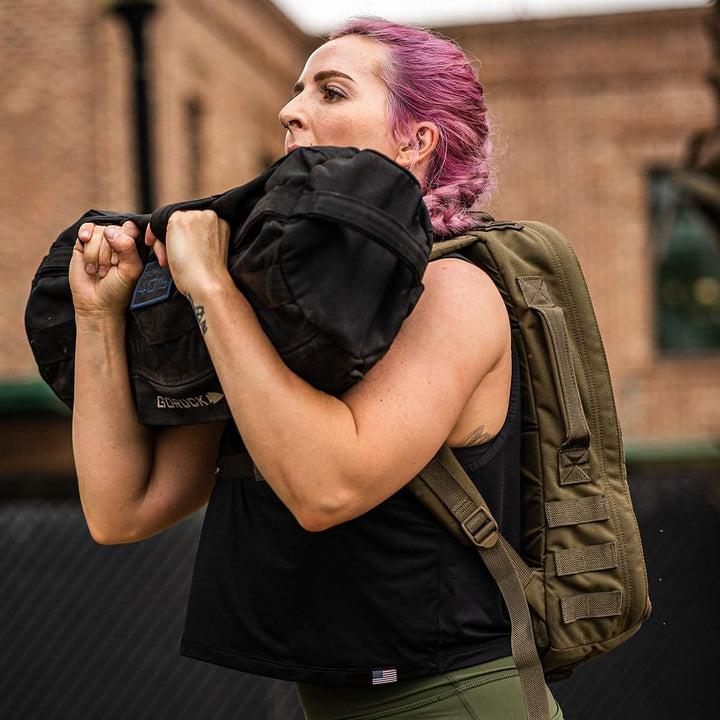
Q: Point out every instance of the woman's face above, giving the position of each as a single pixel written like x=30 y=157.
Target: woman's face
x=340 y=99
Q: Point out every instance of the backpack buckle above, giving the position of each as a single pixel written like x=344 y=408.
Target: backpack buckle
x=481 y=528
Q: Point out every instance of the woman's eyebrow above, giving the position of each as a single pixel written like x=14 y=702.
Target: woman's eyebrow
x=327 y=74
x=319 y=77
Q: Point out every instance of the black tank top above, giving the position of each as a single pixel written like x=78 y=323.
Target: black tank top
x=390 y=590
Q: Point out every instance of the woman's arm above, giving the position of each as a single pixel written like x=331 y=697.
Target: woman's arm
x=133 y=482
x=331 y=459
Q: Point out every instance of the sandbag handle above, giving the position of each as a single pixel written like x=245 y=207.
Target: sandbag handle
x=350 y=212
x=233 y=205
x=102 y=217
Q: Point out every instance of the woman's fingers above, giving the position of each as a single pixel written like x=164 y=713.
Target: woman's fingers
x=123 y=240
x=104 y=256
x=91 y=237
x=131 y=229
x=85 y=232
x=104 y=245
x=157 y=246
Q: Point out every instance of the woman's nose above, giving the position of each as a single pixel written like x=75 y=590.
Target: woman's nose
x=291 y=114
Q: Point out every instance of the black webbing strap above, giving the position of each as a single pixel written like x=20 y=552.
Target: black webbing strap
x=445 y=478
x=365 y=217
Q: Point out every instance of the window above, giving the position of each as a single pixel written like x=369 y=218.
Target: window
x=687 y=268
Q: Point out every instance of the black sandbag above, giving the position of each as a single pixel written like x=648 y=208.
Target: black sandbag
x=49 y=313
x=329 y=246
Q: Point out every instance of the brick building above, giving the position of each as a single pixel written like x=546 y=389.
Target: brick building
x=584 y=109
x=218 y=71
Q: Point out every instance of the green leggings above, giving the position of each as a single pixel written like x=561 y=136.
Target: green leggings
x=490 y=691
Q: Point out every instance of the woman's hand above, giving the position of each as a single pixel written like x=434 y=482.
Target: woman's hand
x=195 y=250
x=104 y=268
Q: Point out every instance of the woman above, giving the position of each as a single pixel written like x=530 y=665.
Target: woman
x=328 y=573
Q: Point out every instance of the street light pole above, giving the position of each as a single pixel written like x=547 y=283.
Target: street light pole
x=135 y=13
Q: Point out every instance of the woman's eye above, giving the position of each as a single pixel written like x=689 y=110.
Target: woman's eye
x=330 y=93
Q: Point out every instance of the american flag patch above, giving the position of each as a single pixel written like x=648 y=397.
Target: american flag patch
x=380 y=677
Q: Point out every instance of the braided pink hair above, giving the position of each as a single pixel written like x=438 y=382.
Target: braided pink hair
x=429 y=78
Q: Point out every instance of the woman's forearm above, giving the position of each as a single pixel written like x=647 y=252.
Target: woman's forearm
x=113 y=451
x=274 y=408
x=331 y=459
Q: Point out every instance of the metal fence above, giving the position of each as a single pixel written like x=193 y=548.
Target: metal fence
x=91 y=632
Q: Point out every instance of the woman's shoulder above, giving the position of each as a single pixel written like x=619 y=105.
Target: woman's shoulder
x=460 y=318
x=456 y=283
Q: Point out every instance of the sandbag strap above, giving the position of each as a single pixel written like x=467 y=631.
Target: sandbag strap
x=577 y=512
x=574 y=462
x=586 y=559
x=590 y=605
x=446 y=479
x=233 y=205
x=234 y=467
x=351 y=212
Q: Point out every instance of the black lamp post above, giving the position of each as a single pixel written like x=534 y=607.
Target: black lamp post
x=135 y=13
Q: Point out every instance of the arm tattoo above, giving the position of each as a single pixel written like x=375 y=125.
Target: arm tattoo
x=199 y=311
x=476 y=437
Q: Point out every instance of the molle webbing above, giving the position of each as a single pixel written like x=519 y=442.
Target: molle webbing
x=586 y=559
x=591 y=605
x=576 y=512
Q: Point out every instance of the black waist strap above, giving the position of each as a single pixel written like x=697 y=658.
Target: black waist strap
x=234 y=467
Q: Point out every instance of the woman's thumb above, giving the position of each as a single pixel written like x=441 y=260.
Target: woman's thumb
x=121 y=242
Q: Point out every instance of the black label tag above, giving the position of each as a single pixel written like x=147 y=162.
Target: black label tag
x=154 y=286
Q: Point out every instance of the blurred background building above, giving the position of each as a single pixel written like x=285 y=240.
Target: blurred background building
x=594 y=120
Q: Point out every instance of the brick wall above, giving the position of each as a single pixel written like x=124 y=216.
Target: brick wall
x=66 y=122
x=45 y=173
x=582 y=108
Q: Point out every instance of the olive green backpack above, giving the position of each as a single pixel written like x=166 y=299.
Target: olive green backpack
x=579 y=586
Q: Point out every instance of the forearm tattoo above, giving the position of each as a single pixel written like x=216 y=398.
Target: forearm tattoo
x=199 y=311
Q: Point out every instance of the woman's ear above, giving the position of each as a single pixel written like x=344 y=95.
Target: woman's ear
x=416 y=152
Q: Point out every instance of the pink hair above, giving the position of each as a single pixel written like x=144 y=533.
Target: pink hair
x=429 y=78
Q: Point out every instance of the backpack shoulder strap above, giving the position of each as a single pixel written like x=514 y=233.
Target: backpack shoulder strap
x=444 y=487
x=453 y=244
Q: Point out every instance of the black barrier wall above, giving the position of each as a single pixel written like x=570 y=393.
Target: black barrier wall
x=91 y=632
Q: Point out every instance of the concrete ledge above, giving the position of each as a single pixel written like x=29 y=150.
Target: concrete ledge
x=29 y=396
x=689 y=456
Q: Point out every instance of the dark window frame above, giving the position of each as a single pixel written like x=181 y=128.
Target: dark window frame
x=686 y=269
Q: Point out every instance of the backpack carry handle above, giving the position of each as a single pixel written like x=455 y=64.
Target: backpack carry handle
x=573 y=456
